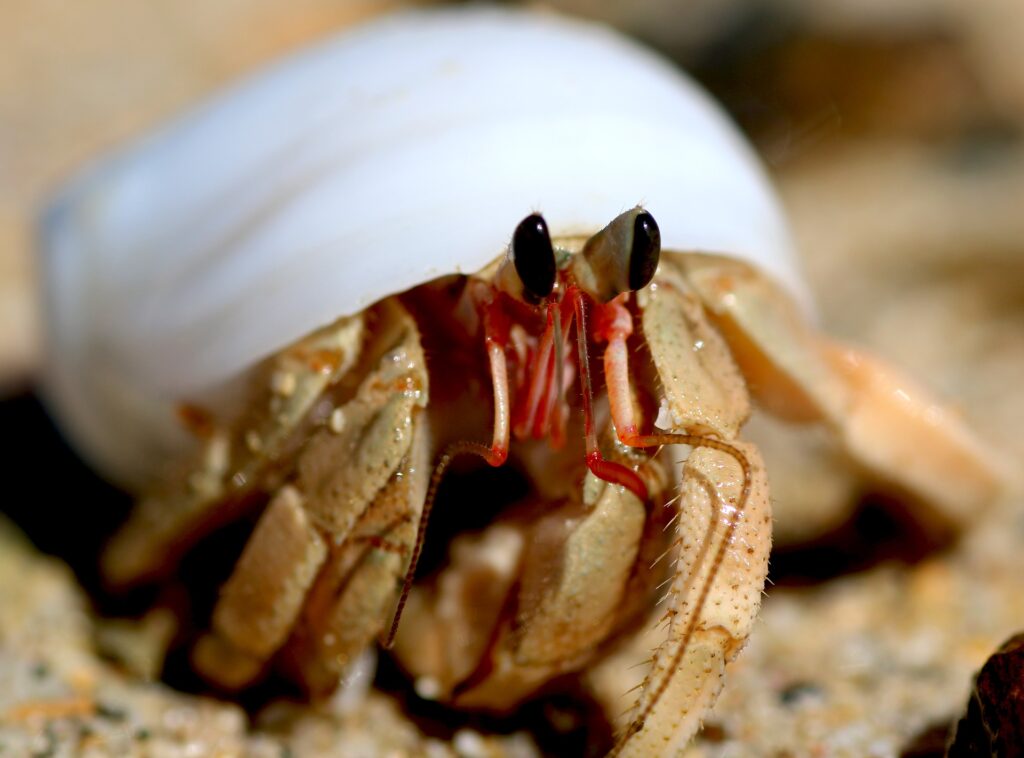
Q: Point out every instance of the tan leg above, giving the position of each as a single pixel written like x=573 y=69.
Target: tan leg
x=577 y=561
x=354 y=597
x=260 y=602
x=707 y=613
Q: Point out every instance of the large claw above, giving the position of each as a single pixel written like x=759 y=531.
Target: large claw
x=358 y=491
x=353 y=597
x=337 y=442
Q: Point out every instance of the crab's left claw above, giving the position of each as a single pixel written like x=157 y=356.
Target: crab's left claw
x=886 y=422
x=898 y=429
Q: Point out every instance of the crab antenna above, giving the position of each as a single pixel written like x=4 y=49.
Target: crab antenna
x=556 y=399
x=453 y=451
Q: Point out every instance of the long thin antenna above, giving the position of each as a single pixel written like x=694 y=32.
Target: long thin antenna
x=450 y=453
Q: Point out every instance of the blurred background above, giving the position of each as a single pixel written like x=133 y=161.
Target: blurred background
x=895 y=132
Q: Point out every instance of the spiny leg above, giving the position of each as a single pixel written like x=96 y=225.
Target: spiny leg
x=671 y=705
x=711 y=605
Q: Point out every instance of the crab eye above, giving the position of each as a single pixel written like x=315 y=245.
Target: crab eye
x=534 y=258
x=645 y=251
x=620 y=258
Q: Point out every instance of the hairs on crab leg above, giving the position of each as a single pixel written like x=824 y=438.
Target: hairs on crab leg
x=615 y=325
x=621 y=259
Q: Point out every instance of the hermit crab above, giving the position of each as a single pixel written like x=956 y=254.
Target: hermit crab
x=446 y=237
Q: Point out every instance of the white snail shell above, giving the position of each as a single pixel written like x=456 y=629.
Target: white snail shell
x=394 y=153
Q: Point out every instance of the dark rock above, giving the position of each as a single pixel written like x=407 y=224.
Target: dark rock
x=994 y=722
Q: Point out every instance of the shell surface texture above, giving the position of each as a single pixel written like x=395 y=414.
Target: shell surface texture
x=329 y=303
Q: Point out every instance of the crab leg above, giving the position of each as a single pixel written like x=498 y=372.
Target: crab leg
x=709 y=611
x=350 y=602
x=262 y=599
x=722 y=526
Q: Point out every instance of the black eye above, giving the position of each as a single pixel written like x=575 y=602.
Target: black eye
x=534 y=257
x=646 y=250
